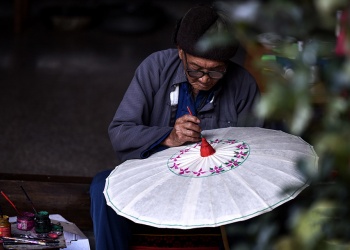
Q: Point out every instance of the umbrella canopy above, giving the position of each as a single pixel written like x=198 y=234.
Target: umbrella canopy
x=252 y=171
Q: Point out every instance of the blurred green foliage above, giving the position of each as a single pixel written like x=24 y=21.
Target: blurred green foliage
x=307 y=86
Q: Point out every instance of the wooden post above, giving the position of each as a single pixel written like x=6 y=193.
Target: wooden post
x=224 y=238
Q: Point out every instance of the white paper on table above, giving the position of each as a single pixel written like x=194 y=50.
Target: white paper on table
x=74 y=237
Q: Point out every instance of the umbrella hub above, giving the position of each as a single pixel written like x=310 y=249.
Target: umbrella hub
x=206 y=148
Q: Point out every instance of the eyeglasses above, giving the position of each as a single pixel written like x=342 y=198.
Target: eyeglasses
x=211 y=74
x=200 y=73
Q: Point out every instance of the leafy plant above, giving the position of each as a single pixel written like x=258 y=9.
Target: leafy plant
x=306 y=86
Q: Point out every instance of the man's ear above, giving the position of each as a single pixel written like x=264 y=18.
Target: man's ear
x=181 y=53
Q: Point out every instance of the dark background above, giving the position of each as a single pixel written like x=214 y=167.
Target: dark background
x=63 y=73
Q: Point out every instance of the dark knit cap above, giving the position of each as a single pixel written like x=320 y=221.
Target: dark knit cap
x=199 y=21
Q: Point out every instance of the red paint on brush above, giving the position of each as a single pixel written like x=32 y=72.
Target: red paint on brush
x=189 y=110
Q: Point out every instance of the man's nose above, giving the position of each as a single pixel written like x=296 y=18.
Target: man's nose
x=205 y=78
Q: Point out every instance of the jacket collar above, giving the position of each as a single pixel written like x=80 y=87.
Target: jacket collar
x=180 y=75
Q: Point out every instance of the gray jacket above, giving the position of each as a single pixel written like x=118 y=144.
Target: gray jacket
x=144 y=114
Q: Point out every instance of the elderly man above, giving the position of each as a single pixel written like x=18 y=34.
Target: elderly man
x=153 y=114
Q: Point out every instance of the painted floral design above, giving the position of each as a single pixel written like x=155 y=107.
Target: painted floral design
x=229 y=155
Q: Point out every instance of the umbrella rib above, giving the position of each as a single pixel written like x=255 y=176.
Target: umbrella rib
x=278 y=169
x=277 y=157
x=302 y=153
x=245 y=183
x=153 y=176
x=232 y=197
x=138 y=197
x=251 y=189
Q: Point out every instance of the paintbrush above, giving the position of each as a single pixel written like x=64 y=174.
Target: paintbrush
x=30 y=241
x=13 y=205
x=206 y=148
x=190 y=112
x=29 y=199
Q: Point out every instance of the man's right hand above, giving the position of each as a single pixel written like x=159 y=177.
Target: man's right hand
x=186 y=129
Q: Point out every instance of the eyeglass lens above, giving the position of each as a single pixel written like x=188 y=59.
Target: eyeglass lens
x=211 y=74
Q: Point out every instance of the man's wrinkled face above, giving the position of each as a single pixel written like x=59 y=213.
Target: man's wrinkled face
x=202 y=73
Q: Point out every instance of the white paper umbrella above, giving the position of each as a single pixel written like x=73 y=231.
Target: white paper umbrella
x=252 y=171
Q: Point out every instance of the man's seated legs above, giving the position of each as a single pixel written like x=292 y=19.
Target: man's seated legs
x=111 y=230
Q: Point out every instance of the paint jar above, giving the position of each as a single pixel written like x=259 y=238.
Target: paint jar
x=25 y=221
x=42 y=222
x=57 y=229
x=5 y=227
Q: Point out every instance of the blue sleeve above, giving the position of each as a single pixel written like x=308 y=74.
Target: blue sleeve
x=155 y=147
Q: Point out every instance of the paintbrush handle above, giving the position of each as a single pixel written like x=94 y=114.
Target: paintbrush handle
x=25 y=193
x=189 y=110
x=8 y=199
x=30 y=241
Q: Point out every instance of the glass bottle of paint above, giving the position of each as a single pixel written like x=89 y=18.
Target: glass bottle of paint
x=42 y=222
x=5 y=226
x=25 y=221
